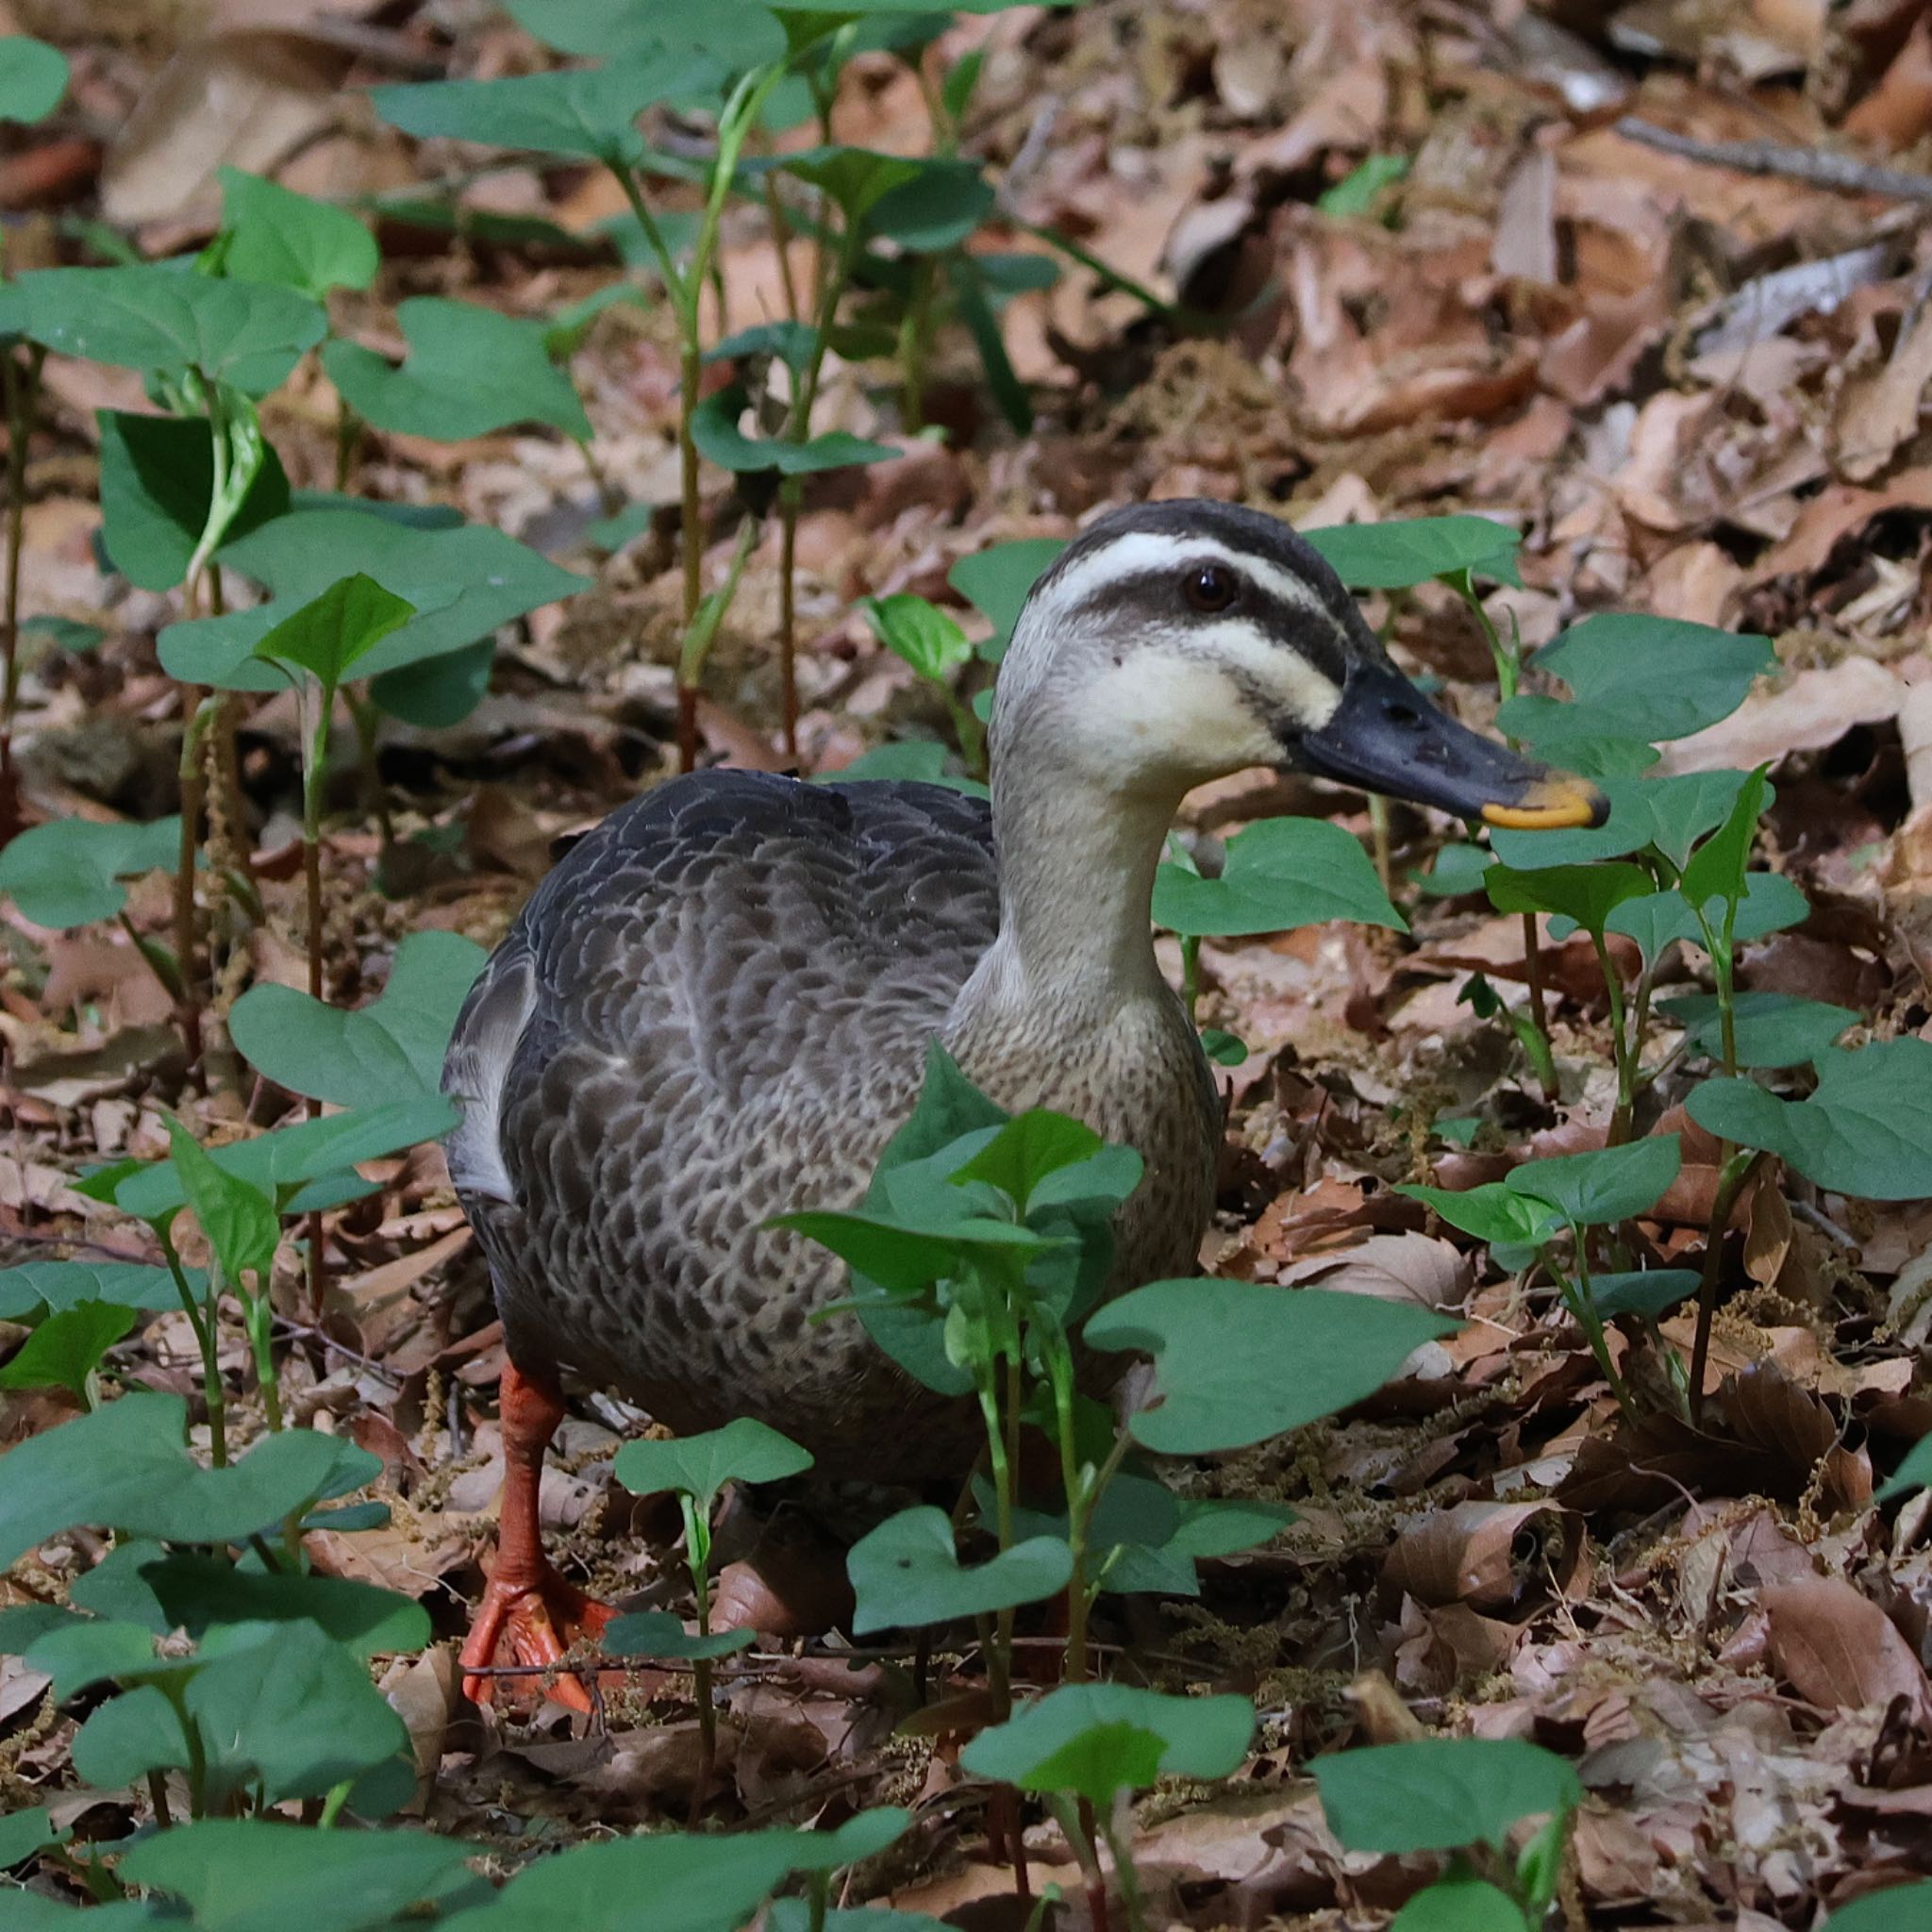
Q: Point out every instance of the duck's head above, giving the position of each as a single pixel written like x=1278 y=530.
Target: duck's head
x=1175 y=643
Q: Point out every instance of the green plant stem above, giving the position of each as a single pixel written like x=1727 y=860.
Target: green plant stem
x=830 y=286
x=22 y=393
x=1620 y=1047
x=1128 y=1878
x=1508 y=663
x=348 y=440
x=157 y=1797
x=1719 y=944
x=1545 y=1061
x=1581 y=1300
x=1081 y=1831
x=697 y=1551
x=607 y=497
x=787 y=617
x=367 y=719
x=170 y=982
x=999 y=1653
x=819 y=1892
x=315 y=782
x=915 y=342
x=780 y=228
x=698 y=636
x=332 y=1805
x=257 y=1312
x=1735 y=1168
x=202 y=1321
x=1190 y=973
x=690 y=520
x=1378 y=841
x=197 y=709
x=176 y=1691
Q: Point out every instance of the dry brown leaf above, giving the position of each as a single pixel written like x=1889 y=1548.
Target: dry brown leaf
x=1392 y=1267
x=242 y=99
x=1490 y=1556
x=1815 y=710
x=1840 y=1651
x=1883 y=413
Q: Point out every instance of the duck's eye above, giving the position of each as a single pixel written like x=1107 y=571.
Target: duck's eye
x=1209 y=587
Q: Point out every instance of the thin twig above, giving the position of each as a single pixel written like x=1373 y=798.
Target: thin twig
x=1814 y=166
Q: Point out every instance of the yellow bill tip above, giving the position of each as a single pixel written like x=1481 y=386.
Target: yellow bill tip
x=1553 y=804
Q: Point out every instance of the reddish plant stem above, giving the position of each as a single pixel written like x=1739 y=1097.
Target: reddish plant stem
x=1532 y=975
x=21 y=390
x=311 y=879
x=188 y=1009
x=788 y=625
x=1097 y=1908
x=1731 y=1184
x=689 y=521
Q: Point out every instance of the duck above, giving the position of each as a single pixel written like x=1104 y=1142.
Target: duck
x=718 y=1006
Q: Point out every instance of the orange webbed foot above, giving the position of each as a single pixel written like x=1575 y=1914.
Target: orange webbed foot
x=531 y=1621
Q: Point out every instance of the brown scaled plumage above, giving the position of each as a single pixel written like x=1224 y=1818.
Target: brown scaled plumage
x=718 y=1007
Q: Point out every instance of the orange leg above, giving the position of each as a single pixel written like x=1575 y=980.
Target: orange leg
x=528 y=1609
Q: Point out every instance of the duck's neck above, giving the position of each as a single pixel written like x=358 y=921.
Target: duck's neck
x=1077 y=863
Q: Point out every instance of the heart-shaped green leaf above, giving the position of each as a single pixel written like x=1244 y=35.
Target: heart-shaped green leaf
x=332 y=633
x=658 y=1634
x=258 y=1874
x=1279 y=874
x=396 y=1044
x=1091 y=1741
x=1608 y=1184
x=462 y=582
x=998 y=580
x=744 y=1451
x=1436 y=1794
x=68 y=871
x=66 y=1284
x=1460 y=1902
x=1647 y=1291
x=124 y=1467
x=1586 y=893
x=1772 y=1029
x=1236 y=1362
x=169 y=321
x=33 y=78
x=277 y=236
x=1398 y=555
x=315 y=1150
x=1866 y=1131
x=469 y=370
x=588 y=112
x=1493 y=1211
x=1639 y=677
x=67 y=1348
x=714 y=429
x=237 y=1217
x=921 y=633
x=907 y=1572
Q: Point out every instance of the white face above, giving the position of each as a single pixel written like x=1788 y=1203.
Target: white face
x=1154 y=687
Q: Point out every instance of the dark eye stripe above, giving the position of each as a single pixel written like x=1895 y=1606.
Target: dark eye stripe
x=1316 y=635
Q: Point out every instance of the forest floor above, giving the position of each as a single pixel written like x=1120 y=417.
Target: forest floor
x=1696 y=391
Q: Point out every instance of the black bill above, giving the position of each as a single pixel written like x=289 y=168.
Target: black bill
x=1386 y=736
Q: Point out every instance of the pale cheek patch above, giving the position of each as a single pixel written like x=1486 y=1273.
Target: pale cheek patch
x=1295 y=688
x=1164 y=714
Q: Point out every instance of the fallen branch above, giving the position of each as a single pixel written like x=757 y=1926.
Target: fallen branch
x=1819 y=167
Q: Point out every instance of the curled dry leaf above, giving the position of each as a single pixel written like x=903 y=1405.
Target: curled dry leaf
x=1840 y=1651
x=1490 y=1556
x=1815 y=710
x=1393 y=1267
